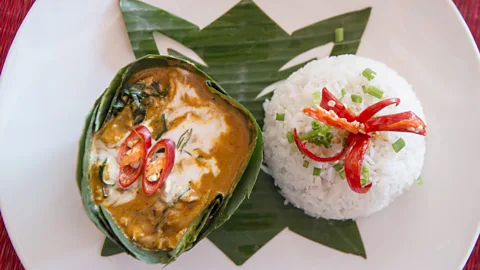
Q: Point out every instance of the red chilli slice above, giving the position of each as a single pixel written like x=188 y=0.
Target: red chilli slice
x=402 y=122
x=353 y=162
x=311 y=155
x=327 y=118
x=161 y=167
x=373 y=109
x=338 y=107
x=128 y=174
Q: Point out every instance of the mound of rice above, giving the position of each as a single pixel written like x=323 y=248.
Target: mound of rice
x=328 y=195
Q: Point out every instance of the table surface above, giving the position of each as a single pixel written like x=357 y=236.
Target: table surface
x=12 y=13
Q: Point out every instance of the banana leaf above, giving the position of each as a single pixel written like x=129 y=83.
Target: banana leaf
x=212 y=216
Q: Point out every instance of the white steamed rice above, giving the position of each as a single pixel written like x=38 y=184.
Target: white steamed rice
x=328 y=195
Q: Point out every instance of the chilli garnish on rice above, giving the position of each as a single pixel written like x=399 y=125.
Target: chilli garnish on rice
x=333 y=112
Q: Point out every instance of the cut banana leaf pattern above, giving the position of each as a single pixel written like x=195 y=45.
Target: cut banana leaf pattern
x=244 y=51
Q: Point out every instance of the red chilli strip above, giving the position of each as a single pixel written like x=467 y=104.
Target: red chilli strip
x=373 y=109
x=402 y=122
x=338 y=108
x=167 y=164
x=325 y=117
x=311 y=155
x=127 y=174
x=354 y=161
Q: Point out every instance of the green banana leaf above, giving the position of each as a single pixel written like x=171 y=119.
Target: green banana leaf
x=211 y=217
x=244 y=51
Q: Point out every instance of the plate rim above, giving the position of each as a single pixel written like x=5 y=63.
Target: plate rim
x=33 y=10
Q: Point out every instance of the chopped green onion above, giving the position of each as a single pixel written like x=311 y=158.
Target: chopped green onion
x=419 y=180
x=280 y=117
x=339 y=35
x=398 y=145
x=316 y=125
x=338 y=167
x=364 y=89
x=317 y=97
x=344 y=92
x=363 y=181
x=369 y=74
x=316 y=171
x=306 y=163
x=374 y=91
x=290 y=137
x=356 y=98
x=309 y=135
x=324 y=129
x=365 y=171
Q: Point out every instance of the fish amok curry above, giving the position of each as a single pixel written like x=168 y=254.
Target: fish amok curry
x=168 y=146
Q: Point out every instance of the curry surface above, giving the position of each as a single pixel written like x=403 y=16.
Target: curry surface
x=148 y=220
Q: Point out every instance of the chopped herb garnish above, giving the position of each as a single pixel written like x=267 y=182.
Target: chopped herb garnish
x=184 y=138
x=356 y=98
x=369 y=74
x=316 y=125
x=165 y=91
x=365 y=171
x=101 y=170
x=158 y=89
x=374 y=91
x=338 y=167
x=188 y=153
x=306 y=163
x=280 y=117
x=290 y=137
x=364 y=89
x=419 y=180
x=339 y=35
x=398 y=145
x=319 y=139
x=324 y=129
x=165 y=128
x=133 y=93
x=117 y=107
x=317 y=97
x=363 y=181
x=309 y=135
x=344 y=92
x=316 y=171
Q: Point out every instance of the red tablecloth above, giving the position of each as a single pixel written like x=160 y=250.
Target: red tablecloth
x=12 y=13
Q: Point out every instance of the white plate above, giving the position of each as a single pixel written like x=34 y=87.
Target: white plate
x=67 y=52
